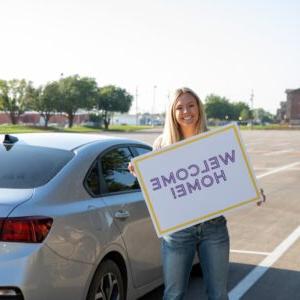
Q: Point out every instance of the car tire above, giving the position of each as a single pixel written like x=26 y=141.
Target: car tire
x=107 y=283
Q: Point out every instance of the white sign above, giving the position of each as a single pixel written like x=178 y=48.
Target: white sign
x=197 y=179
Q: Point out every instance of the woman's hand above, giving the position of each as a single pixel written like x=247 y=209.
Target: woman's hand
x=262 y=198
x=131 y=169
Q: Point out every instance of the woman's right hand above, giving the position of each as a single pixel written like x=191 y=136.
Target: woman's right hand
x=131 y=169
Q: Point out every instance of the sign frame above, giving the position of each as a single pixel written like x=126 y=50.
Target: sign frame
x=137 y=160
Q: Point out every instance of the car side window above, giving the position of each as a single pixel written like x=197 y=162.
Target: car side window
x=115 y=171
x=142 y=150
x=92 y=180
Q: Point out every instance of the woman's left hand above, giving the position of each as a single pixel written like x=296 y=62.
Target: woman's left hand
x=263 y=198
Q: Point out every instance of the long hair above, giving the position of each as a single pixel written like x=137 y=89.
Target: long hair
x=172 y=133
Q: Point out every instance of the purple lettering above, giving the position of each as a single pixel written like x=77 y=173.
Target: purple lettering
x=217 y=177
x=173 y=193
x=180 y=189
x=214 y=163
x=194 y=187
x=206 y=167
x=169 y=180
x=185 y=174
x=209 y=182
x=197 y=170
x=228 y=157
x=155 y=183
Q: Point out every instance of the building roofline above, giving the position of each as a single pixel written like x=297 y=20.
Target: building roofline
x=292 y=90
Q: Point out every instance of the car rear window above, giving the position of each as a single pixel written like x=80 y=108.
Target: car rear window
x=25 y=166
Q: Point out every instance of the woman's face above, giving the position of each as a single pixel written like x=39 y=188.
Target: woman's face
x=187 y=111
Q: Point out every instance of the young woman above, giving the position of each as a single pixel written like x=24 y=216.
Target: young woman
x=185 y=118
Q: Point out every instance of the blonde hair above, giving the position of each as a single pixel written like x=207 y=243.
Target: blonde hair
x=172 y=133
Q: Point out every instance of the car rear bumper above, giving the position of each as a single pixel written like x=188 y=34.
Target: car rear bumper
x=36 y=272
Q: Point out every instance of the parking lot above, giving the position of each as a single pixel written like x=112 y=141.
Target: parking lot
x=265 y=243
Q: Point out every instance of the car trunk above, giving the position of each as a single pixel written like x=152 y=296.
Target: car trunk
x=10 y=198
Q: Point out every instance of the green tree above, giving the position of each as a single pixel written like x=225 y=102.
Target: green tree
x=217 y=107
x=261 y=115
x=113 y=99
x=96 y=119
x=76 y=93
x=14 y=98
x=238 y=107
x=45 y=100
x=245 y=114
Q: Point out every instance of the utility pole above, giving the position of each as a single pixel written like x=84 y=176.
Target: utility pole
x=153 y=104
x=251 y=106
x=251 y=99
x=136 y=106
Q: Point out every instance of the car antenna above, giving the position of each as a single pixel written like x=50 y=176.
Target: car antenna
x=9 y=141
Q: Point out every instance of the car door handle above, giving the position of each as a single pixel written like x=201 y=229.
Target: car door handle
x=122 y=214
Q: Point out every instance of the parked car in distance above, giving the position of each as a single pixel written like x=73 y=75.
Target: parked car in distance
x=73 y=221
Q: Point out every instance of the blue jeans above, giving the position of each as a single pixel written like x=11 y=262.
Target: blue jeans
x=211 y=241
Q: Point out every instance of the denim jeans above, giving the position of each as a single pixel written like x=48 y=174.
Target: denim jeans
x=211 y=241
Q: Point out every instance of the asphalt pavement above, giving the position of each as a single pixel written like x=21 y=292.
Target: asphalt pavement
x=265 y=241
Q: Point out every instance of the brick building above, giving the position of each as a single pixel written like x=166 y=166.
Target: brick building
x=34 y=118
x=4 y=118
x=289 y=111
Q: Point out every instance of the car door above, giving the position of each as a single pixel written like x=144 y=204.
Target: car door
x=122 y=194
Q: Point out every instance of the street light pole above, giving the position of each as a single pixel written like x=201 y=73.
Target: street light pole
x=251 y=99
x=251 y=103
x=136 y=105
x=153 y=104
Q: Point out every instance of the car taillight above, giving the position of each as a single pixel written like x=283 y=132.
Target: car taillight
x=25 y=229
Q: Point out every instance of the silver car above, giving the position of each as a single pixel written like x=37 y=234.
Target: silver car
x=73 y=221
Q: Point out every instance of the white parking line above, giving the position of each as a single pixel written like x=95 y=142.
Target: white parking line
x=280 y=169
x=266 y=169
x=243 y=286
x=250 y=252
x=278 y=152
x=252 y=151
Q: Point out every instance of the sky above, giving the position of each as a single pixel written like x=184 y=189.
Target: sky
x=229 y=48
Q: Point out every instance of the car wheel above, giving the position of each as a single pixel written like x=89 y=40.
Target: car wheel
x=107 y=283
